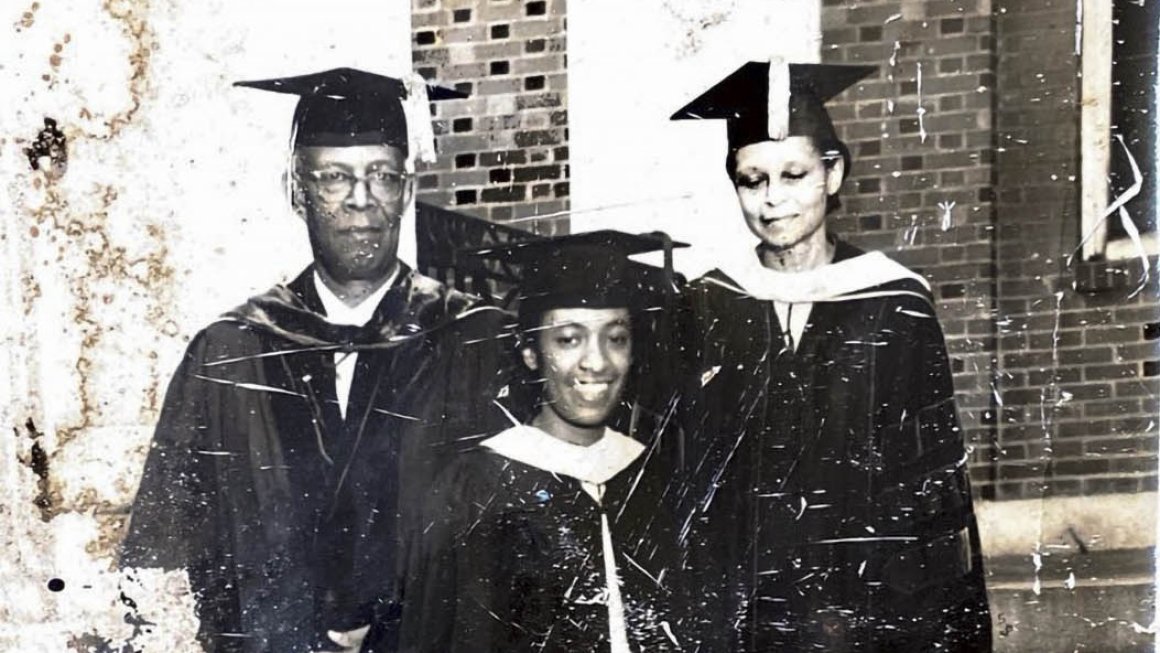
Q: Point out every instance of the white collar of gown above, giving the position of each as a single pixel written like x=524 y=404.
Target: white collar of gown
x=832 y=282
x=593 y=466
x=596 y=463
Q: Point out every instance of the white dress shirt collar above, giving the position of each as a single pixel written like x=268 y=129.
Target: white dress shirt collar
x=337 y=312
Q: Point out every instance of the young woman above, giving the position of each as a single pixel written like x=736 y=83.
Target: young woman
x=555 y=534
x=831 y=482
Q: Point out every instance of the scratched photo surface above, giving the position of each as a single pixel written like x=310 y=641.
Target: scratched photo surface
x=663 y=325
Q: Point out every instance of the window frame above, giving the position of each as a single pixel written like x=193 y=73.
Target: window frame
x=1097 y=49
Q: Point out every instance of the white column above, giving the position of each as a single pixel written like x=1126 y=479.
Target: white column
x=1095 y=119
x=630 y=66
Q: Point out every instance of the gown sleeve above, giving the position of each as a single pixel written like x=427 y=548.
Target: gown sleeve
x=459 y=373
x=937 y=581
x=471 y=361
x=429 y=616
x=452 y=575
x=169 y=509
x=175 y=522
x=711 y=588
x=480 y=355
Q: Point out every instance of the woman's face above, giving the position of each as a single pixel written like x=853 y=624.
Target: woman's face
x=584 y=356
x=782 y=187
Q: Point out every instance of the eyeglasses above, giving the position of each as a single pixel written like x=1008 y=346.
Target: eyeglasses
x=334 y=185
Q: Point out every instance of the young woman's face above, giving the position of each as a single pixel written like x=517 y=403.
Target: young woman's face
x=584 y=356
x=782 y=187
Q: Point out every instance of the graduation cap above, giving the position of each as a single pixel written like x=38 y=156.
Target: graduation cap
x=345 y=107
x=771 y=100
x=586 y=270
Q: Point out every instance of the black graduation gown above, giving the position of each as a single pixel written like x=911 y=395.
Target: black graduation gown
x=511 y=560
x=832 y=505
x=288 y=517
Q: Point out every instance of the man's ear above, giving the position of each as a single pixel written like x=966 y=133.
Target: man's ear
x=408 y=190
x=295 y=194
x=834 y=175
x=531 y=358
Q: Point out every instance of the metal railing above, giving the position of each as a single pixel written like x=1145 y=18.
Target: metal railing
x=441 y=236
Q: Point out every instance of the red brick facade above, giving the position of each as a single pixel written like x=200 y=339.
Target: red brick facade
x=1095 y=392
x=922 y=185
x=1055 y=364
x=503 y=152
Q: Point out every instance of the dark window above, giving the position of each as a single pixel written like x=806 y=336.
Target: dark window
x=951 y=26
x=500 y=31
x=1152 y=331
x=538 y=8
x=461 y=15
x=1135 y=30
x=499 y=68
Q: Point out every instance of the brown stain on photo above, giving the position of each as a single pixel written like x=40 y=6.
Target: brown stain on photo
x=28 y=18
x=57 y=56
x=133 y=18
x=82 y=243
x=110 y=531
x=85 y=238
x=54 y=62
x=36 y=460
x=30 y=289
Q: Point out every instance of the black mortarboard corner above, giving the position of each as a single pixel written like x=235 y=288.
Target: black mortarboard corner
x=344 y=107
x=765 y=100
x=587 y=270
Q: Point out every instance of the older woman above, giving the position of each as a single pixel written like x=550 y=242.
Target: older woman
x=831 y=485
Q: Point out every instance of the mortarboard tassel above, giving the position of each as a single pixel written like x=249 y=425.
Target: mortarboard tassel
x=778 y=109
x=417 y=109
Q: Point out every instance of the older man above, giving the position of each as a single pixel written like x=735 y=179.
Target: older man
x=300 y=426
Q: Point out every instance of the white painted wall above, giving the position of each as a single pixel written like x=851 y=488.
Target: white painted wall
x=171 y=211
x=630 y=66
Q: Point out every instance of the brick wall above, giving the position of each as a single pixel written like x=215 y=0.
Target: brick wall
x=922 y=184
x=503 y=152
x=1055 y=365
x=965 y=151
x=1079 y=383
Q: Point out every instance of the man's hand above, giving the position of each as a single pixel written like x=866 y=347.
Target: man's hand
x=350 y=640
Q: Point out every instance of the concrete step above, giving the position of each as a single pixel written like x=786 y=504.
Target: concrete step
x=1102 y=602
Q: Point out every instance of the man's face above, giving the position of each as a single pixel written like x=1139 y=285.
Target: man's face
x=782 y=187
x=352 y=199
x=584 y=356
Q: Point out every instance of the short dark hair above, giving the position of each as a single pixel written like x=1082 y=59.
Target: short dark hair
x=833 y=203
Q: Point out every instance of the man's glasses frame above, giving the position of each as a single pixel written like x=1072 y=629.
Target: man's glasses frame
x=335 y=184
